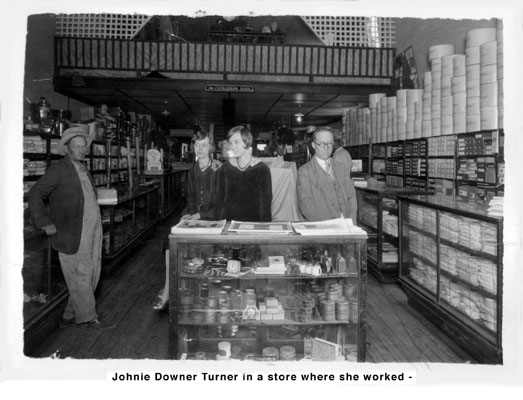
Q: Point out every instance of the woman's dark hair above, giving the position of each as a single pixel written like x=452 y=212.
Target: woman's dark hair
x=245 y=134
x=202 y=135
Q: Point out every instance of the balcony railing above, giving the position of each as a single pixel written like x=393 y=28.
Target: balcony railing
x=304 y=61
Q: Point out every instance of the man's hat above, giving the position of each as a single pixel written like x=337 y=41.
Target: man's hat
x=71 y=133
x=311 y=129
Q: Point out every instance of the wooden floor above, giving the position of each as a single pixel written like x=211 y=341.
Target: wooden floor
x=395 y=331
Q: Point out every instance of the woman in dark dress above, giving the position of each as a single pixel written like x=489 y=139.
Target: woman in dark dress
x=201 y=197
x=245 y=187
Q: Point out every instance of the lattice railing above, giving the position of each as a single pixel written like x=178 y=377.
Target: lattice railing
x=353 y=31
x=116 y=26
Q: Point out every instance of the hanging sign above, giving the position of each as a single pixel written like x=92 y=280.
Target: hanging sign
x=211 y=87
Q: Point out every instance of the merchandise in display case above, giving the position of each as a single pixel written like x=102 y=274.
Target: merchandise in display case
x=45 y=291
x=451 y=256
x=309 y=304
x=378 y=215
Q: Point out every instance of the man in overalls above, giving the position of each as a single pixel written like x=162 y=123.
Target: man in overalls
x=74 y=223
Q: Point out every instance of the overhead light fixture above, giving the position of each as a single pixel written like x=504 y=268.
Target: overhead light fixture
x=165 y=112
x=299 y=115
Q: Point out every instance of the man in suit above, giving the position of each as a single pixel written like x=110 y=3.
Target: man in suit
x=73 y=221
x=325 y=190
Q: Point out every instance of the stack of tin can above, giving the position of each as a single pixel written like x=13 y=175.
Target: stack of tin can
x=328 y=309
x=342 y=309
x=307 y=309
x=287 y=353
x=186 y=305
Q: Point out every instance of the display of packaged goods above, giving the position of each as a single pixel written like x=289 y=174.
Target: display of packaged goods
x=468 y=232
x=368 y=215
x=479 y=308
x=390 y=223
x=422 y=218
x=32 y=168
x=424 y=274
x=422 y=245
x=441 y=168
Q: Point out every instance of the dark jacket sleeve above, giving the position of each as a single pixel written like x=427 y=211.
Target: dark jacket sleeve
x=209 y=212
x=353 y=202
x=219 y=191
x=190 y=208
x=265 y=191
x=305 y=197
x=40 y=192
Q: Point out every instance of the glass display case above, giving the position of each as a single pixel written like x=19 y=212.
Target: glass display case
x=172 y=188
x=45 y=291
x=451 y=269
x=135 y=213
x=378 y=215
x=225 y=305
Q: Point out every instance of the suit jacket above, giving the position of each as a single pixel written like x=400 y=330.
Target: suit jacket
x=320 y=197
x=61 y=185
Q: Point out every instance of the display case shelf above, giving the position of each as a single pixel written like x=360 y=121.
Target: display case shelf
x=461 y=291
x=139 y=212
x=254 y=312
x=378 y=213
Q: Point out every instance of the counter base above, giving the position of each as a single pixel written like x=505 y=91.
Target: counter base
x=483 y=351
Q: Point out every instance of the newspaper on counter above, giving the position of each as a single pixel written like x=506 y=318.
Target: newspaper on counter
x=241 y=227
x=338 y=226
x=198 y=226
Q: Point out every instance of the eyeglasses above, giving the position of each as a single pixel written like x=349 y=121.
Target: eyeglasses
x=324 y=145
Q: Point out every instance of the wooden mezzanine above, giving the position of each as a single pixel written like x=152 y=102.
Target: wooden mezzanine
x=149 y=76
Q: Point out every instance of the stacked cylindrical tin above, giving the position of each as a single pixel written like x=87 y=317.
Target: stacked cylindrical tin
x=461 y=93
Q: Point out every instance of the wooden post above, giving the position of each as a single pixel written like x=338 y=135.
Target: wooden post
x=129 y=164
x=108 y=161
x=137 y=150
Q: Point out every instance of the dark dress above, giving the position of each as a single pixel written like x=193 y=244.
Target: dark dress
x=201 y=191
x=246 y=195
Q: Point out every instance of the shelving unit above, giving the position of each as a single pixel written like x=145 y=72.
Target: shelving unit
x=395 y=164
x=172 y=186
x=361 y=152
x=378 y=215
x=379 y=161
x=478 y=158
x=209 y=307
x=124 y=223
x=469 y=165
x=451 y=256
x=415 y=164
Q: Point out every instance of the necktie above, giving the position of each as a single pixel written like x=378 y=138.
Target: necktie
x=328 y=167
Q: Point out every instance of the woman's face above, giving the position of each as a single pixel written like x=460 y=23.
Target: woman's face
x=236 y=145
x=202 y=148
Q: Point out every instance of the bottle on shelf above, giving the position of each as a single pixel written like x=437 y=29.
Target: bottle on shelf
x=44 y=113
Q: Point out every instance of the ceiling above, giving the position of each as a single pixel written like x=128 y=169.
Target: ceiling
x=188 y=103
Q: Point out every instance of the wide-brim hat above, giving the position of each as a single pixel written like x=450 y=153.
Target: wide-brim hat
x=72 y=133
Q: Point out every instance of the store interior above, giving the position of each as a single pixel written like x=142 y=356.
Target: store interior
x=428 y=169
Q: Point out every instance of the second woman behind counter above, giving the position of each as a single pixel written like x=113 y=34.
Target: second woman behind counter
x=201 y=197
x=244 y=182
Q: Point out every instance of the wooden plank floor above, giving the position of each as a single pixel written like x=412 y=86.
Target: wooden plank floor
x=395 y=331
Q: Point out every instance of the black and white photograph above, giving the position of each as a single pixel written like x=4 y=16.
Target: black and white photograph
x=265 y=198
